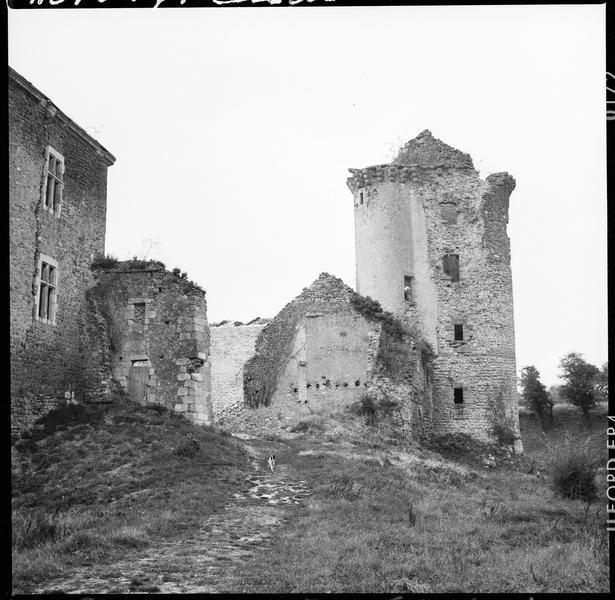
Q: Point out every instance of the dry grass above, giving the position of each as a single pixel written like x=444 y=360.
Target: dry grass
x=91 y=485
x=373 y=527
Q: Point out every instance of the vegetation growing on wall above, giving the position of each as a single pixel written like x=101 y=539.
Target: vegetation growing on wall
x=503 y=421
x=101 y=295
x=104 y=262
x=394 y=351
x=262 y=371
x=372 y=311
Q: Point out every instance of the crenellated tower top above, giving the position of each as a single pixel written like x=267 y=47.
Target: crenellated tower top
x=418 y=159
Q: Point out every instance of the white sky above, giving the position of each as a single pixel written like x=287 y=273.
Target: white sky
x=233 y=130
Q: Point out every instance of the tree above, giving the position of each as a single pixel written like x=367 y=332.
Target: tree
x=535 y=394
x=602 y=383
x=555 y=393
x=579 y=377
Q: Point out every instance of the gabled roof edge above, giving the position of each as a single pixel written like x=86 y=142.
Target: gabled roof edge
x=76 y=129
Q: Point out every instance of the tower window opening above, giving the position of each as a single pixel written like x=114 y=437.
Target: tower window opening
x=408 y=288
x=360 y=197
x=458 y=333
x=450 y=264
x=458 y=402
x=449 y=213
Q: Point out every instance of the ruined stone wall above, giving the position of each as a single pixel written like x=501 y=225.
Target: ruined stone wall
x=329 y=351
x=332 y=361
x=46 y=359
x=231 y=346
x=430 y=202
x=157 y=321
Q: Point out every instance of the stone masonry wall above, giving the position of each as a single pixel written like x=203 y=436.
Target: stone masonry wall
x=408 y=215
x=157 y=321
x=46 y=359
x=330 y=356
x=231 y=346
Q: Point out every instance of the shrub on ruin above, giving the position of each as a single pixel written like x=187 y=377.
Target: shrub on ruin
x=372 y=310
x=503 y=425
x=504 y=433
x=366 y=407
x=189 y=446
x=102 y=261
x=573 y=470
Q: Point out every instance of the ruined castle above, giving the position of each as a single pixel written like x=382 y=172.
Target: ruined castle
x=430 y=325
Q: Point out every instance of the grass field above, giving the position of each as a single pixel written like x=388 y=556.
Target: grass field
x=444 y=527
x=92 y=485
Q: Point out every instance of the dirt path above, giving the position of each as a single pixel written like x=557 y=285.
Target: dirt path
x=206 y=560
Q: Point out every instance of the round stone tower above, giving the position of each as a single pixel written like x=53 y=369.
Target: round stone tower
x=432 y=248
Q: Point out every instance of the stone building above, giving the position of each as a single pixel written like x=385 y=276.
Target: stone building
x=432 y=247
x=320 y=353
x=57 y=209
x=150 y=333
x=232 y=344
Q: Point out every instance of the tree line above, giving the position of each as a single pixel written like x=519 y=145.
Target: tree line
x=583 y=385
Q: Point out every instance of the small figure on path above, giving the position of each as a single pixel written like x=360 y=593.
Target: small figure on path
x=271 y=462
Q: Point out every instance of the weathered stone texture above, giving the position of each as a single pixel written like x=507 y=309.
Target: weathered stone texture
x=46 y=359
x=319 y=354
x=231 y=346
x=156 y=320
x=429 y=203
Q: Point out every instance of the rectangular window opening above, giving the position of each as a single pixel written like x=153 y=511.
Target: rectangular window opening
x=52 y=197
x=450 y=264
x=458 y=395
x=360 y=197
x=408 y=288
x=458 y=333
x=47 y=292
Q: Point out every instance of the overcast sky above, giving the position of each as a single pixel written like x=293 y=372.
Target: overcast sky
x=233 y=130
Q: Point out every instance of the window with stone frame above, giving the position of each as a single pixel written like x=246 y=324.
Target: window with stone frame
x=47 y=290
x=450 y=264
x=458 y=335
x=54 y=181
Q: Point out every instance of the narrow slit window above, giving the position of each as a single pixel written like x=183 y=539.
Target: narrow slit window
x=458 y=402
x=458 y=333
x=450 y=264
x=360 y=197
x=408 y=288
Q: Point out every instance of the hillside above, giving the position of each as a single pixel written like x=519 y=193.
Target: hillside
x=103 y=502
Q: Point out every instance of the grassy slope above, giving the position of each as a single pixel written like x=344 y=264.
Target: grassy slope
x=373 y=528
x=93 y=484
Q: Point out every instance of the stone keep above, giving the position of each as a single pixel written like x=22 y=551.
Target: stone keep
x=432 y=247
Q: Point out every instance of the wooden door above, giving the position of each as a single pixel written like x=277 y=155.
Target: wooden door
x=138 y=376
